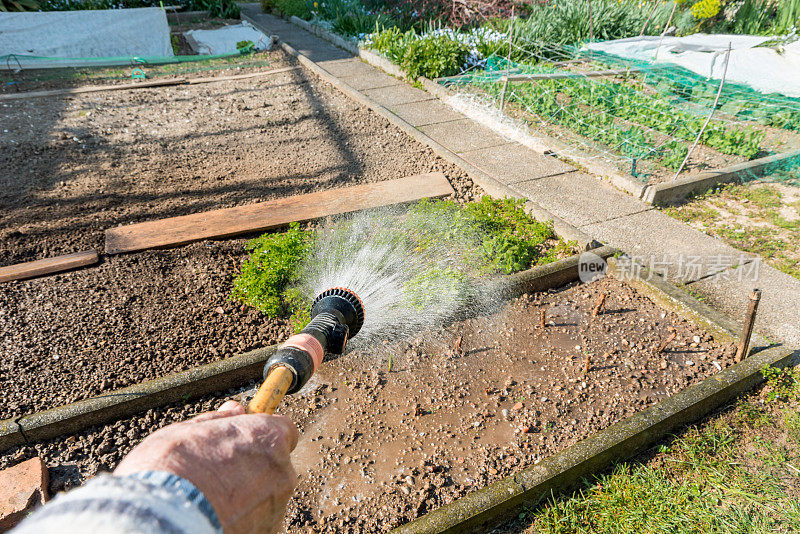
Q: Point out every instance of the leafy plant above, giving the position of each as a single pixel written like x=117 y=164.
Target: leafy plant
x=497 y=235
x=19 y=5
x=226 y=9
x=783 y=384
x=245 y=47
x=272 y=267
x=507 y=239
x=391 y=43
x=297 y=8
x=433 y=57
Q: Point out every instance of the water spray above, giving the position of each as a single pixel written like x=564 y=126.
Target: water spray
x=337 y=314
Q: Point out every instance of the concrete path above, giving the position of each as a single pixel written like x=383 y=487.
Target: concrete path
x=723 y=275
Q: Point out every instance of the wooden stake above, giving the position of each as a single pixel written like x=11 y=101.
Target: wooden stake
x=667 y=341
x=646 y=22
x=708 y=119
x=666 y=28
x=599 y=307
x=457 y=345
x=749 y=321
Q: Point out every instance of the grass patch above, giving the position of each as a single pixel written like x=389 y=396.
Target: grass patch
x=722 y=476
x=754 y=217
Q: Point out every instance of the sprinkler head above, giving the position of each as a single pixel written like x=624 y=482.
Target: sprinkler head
x=337 y=314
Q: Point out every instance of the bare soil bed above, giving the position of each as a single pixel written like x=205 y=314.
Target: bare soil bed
x=392 y=432
x=75 y=166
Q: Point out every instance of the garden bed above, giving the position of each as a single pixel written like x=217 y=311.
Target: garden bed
x=79 y=165
x=759 y=216
x=626 y=122
x=390 y=433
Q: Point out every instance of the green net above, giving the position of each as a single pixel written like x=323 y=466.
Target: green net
x=24 y=76
x=643 y=117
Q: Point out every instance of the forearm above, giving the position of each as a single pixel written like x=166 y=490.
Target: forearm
x=146 y=502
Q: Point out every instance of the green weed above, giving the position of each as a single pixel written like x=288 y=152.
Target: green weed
x=266 y=276
x=497 y=233
x=782 y=384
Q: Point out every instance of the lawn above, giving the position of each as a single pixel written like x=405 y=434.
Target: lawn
x=736 y=472
x=759 y=217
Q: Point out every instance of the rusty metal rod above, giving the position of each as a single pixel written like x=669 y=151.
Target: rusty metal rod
x=749 y=321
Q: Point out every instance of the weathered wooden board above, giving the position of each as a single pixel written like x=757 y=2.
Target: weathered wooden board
x=57 y=264
x=229 y=222
x=140 y=85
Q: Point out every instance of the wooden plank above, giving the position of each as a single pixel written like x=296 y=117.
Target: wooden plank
x=57 y=264
x=229 y=222
x=141 y=85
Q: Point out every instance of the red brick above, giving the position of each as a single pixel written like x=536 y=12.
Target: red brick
x=22 y=488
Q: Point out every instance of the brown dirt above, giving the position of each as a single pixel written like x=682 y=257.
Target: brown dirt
x=79 y=165
x=389 y=434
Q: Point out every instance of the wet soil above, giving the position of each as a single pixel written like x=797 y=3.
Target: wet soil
x=392 y=432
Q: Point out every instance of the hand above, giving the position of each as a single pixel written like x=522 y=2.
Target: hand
x=239 y=461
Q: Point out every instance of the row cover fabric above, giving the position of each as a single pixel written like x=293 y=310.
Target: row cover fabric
x=86 y=34
x=766 y=69
x=223 y=40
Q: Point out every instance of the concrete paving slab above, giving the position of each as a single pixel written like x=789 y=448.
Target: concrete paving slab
x=778 y=315
x=426 y=112
x=396 y=95
x=373 y=80
x=667 y=246
x=577 y=197
x=313 y=47
x=463 y=136
x=512 y=163
x=347 y=68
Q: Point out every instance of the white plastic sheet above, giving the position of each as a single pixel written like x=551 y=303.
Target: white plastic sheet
x=86 y=34
x=223 y=40
x=765 y=69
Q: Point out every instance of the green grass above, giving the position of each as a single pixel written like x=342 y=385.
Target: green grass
x=738 y=472
x=757 y=225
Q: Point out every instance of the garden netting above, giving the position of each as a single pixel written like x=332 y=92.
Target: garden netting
x=640 y=115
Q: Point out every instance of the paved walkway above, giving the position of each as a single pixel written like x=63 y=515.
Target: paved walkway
x=721 y=274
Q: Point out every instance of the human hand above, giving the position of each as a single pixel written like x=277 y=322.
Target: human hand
x=239 y=461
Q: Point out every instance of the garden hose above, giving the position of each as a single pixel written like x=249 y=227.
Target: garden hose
x=337 y=314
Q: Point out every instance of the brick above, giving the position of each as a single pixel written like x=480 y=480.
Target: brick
x=23 y=487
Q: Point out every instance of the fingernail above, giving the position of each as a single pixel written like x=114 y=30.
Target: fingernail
x=231 y=406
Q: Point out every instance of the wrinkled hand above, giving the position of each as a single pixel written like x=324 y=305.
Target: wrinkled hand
x=239 y=461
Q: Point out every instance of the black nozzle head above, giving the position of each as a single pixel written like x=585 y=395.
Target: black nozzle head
x=344 y=305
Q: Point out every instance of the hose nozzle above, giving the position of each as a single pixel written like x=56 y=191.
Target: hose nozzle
x=337 y=314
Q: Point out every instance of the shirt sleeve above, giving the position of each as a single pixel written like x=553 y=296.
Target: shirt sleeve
x=146 y=502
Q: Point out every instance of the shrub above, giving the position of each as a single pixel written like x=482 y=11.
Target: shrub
x=434 y=56
x=391 y=43
x=272 y=267
x=706 y=9
x=566 y=22
x=297 y=8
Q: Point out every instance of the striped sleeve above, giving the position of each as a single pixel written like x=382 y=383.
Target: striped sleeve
x=146 y=502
